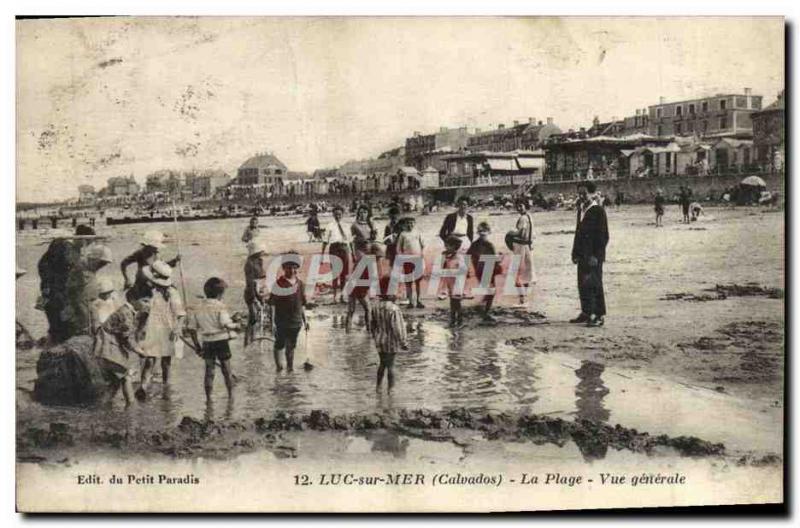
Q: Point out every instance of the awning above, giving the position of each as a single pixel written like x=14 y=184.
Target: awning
x=627 y=152
x=502 y=164
x=529 y=163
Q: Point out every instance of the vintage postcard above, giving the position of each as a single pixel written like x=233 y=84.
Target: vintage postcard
x=399 y=264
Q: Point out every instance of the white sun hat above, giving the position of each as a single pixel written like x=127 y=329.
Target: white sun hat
x=101 y=252
x=105 y=285
x=153 y=238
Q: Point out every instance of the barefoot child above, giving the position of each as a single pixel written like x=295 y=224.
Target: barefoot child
x=288 y=313
x=358 y=294
x=409 y=244
x=212 y=324
x=483 y=246
x=388 y=330
x=452 y=261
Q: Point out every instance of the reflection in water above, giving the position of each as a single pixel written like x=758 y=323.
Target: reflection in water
x=589 y=393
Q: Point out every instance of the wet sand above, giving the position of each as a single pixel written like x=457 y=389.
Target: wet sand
x=675 y=357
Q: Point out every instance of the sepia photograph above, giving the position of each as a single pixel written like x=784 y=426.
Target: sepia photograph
x=399 y=264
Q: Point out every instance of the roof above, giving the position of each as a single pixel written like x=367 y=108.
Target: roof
x=263 y=161
x=409 y=171
x=430 y=169
x=778 y=104
x=85 y=188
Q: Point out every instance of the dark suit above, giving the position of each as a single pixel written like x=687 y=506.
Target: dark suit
x=591 y=238
x=450 y=224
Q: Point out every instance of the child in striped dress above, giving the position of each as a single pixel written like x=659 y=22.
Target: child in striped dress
x=388 y=329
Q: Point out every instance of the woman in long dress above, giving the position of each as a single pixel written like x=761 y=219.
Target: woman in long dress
x=522 y=245
x=162 y=330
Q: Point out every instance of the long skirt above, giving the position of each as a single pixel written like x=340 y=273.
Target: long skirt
x=525 y=273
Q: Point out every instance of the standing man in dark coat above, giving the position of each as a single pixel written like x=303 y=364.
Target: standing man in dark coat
x=589 y=253
x=458 y=224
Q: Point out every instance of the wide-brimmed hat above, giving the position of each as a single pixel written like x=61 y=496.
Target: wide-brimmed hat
x=153 y=238
x=105 y=285
x=159 y=272
x=100 y=252
x=255 y=247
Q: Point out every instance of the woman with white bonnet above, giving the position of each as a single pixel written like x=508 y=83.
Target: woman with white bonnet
x=163 y=327
x=151 y=243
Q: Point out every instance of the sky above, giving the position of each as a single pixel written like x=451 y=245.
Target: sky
x=128 y=96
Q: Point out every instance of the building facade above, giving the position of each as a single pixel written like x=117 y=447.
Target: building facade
x=86 y=194
x=122 y=186
x=208 y=183
x=769 y=135
x=263 y=171
x=520 y=136
x=717 y=116
x=493 y=168
x=419 y=147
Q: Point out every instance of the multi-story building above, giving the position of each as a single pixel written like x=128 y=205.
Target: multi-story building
x=122 y=186
x=519 y=136
x=769 y=135
x=86 y=193
x=206 y=184
x=262 y=170
x=723 y=115
x=445 y=140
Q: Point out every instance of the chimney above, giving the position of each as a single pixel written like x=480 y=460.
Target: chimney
x=532 y=120
x=549 y=120
x=596 y=121
x=540 y=123
x=662 y=100
x=501 y=126
x=748 y=91
x=516 y=123
x=638 y=112
x=416 y=133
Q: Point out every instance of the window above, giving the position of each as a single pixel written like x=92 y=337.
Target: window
x=659 y=112
x=723 y=103
x=723 y=123
x=691 y=109
x=705 y=126
x=690 y=126
x=660 y=130
x=677 y=128
x=705 y=106
x=678 y=110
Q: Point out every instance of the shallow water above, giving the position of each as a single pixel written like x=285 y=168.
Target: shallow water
x=471 y=368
